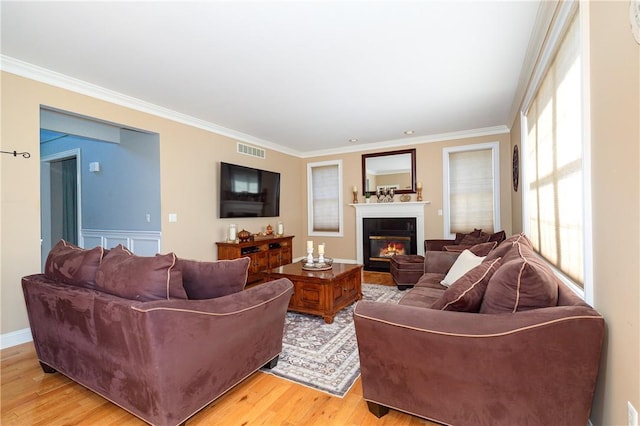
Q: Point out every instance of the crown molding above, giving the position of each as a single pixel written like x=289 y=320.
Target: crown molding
x=418 y=140
x=43 y=75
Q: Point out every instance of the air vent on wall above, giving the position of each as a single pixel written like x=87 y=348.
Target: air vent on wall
x=251 y=150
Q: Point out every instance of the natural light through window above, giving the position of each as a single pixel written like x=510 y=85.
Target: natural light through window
x=554 y=153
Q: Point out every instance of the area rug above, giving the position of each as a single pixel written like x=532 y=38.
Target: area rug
x=325 y=356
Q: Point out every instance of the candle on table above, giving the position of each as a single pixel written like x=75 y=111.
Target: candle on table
x=321 y=248
x=309 y=245
x=280 y=228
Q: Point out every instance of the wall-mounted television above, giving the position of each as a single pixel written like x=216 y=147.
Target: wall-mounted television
x=248 y=192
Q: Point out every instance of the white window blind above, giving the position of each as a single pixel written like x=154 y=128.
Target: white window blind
x=554 y=166
x=325 y=198
x=471 y=191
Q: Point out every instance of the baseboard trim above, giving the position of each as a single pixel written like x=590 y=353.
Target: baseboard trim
x=15 y=338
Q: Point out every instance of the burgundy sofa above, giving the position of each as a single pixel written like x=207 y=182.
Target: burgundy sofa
x=159 y=336
x=506 y=344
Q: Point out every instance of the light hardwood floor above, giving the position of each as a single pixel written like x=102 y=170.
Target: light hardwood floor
x=31 y=397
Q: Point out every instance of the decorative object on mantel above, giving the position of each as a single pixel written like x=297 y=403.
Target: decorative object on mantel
x=385 y=194
x=244 y=236
x=419 y=191
x=405 y=197
x=15 y=153
x=367 y=197
x=280 y=229
x=355 y=195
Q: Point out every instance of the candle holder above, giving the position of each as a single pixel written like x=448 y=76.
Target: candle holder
x=321 y=258
x=419 y=196
x=309 y=257
x=355 y=196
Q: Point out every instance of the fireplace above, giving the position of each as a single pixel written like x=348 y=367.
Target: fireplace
x=383 y=238
x=409 y=209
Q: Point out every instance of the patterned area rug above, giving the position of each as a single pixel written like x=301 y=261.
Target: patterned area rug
x=325 y=356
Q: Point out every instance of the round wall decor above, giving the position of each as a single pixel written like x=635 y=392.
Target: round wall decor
x=516 y=168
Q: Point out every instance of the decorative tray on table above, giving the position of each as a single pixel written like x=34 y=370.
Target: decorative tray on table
x=317 y=265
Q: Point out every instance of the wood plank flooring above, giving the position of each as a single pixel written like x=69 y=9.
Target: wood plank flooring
x=31 y=397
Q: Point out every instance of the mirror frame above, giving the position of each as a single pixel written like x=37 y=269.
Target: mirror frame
x=411 y=151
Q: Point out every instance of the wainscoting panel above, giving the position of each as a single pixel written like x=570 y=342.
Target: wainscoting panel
x=142 y=243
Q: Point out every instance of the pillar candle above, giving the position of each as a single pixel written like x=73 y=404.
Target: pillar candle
x=321 y=248
x=280 y=228
x=419 y=185
x=355 y=189
x=309 y=245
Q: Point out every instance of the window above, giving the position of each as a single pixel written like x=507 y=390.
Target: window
x=324 y=189
x=471 y=188
x=555 y=202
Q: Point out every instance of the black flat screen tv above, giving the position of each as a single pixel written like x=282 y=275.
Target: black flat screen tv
x=248 y=192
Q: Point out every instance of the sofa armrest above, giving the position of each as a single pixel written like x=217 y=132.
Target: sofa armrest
x=439 y=261
x=537 y=366
x=437 y=245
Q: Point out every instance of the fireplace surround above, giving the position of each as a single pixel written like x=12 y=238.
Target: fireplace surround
x=410 y=209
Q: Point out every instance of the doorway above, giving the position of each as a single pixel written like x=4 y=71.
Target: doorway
x=60 y=190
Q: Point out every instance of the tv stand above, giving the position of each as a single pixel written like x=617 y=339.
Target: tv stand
x=265 y=253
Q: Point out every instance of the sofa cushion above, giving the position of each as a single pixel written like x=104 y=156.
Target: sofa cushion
x=208 y=280
x=472 y=240
x=521 y=284
x=423 y=297
x=463 y=264
x=140 y=278
x=465 y=295
x=73 y=265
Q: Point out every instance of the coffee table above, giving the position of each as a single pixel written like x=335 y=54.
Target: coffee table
x=322 y=293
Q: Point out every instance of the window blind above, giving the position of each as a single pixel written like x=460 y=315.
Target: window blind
x=325 y=184
x=554 y=166
x=471 y=190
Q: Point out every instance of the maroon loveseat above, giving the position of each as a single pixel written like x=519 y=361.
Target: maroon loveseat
x=159 y=336
x=505 y=344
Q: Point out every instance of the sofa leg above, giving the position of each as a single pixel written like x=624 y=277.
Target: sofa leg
x=377 y=409
x=272 y=363
x=47 y=369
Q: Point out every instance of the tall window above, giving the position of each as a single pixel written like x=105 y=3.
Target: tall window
x=324 y=188
x=555 y=202
x=471 y=191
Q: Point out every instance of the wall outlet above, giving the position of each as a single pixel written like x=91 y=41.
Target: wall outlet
x=148 y=217
x=173 y=217
x=632 y=414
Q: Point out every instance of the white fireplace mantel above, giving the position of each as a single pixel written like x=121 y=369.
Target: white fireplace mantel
x=413 y=209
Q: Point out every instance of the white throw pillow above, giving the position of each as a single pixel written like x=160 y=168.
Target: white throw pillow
x=463 y=264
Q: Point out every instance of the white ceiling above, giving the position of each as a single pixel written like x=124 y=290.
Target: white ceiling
x=303 y=76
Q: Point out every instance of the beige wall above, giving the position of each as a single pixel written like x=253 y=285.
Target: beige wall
x=189 y=187
x=615 y=160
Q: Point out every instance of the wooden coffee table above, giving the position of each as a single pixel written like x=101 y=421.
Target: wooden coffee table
x=322 y=293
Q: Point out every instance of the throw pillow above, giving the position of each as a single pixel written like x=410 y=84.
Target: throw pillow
x=483 y=249
x=465 y=295
x=521 y=284
x=208 y=280
x=73 y=265
x=460 y=235
x=506 y=246
x=472 y=240
x=140 y=278
x=463 y=264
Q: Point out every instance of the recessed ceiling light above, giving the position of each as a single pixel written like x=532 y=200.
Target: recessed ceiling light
x=409 y=132
x=353 y=140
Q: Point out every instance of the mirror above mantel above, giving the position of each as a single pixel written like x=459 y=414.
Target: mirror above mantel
x=391 y=169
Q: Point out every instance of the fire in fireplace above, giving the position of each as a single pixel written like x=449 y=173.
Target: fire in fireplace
x=387 y=237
